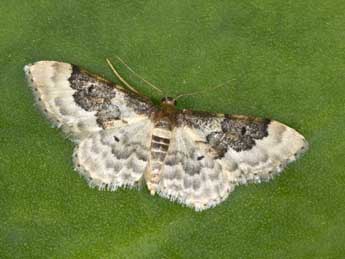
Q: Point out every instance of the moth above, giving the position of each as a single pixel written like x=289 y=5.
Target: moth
x=124 y=140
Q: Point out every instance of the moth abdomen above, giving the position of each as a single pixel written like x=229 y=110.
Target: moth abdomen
x=160 y=141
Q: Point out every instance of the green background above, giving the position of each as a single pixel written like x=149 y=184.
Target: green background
x=287 y=62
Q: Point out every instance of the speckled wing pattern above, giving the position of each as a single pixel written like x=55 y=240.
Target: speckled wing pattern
x=212 y=153
x=109 y=123
x=122 y=139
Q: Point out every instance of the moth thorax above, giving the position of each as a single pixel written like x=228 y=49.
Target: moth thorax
x=168 y=101
x=163 y=123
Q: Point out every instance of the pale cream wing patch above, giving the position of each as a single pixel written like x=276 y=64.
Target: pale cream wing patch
x=268 y=157
x=191 y=175
x=81 y=103
x=116 y=157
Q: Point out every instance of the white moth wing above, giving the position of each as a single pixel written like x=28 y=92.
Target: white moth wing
x=251 y=149
x=191 y=175
x=268 y=157
x=110 y=124
x=79 y=102
x=210 y=154
x=116 y=157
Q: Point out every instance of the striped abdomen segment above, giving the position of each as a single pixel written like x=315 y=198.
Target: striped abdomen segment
x=159 y=147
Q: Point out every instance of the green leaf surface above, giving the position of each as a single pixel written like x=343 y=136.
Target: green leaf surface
x=286 y=59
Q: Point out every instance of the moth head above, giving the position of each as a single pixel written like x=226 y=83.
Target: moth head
x=168 y=101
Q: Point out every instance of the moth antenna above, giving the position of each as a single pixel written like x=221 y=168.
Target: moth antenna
x=139 y=76
x=203 y=91
x=121 y=78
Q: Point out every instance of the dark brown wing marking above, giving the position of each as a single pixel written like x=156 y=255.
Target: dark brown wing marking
x=239 y=133
x=224 y=131
x=94 y=93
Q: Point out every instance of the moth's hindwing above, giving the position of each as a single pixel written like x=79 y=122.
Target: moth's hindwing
x=115 y=157
x=210 y=154
x=191 y=175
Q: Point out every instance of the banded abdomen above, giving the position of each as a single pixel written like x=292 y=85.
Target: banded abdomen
x=160 y=141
